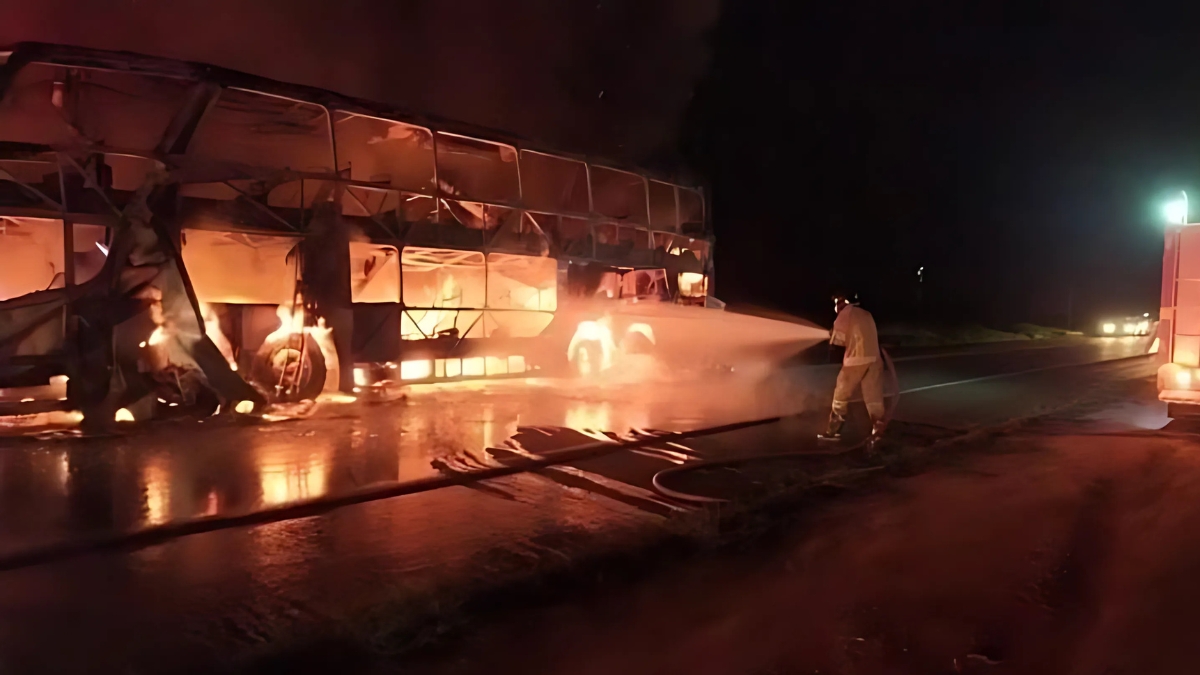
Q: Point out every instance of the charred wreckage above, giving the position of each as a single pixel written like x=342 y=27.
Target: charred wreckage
x=178 y=237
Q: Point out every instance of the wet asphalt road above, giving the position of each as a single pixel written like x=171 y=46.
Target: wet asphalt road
x=195 y=601
x=1055 y=548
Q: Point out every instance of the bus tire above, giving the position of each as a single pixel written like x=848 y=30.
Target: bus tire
x=279 y=361
x=586 y=358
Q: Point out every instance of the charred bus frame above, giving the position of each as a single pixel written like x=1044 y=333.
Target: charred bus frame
x=87 y=137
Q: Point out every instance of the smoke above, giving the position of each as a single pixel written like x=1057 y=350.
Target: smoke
x=607 y=77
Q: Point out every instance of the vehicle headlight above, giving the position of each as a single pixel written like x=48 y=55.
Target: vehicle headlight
x=1109 y=328
x=1130 y=328
x=1144 y=327
x=1183 y=378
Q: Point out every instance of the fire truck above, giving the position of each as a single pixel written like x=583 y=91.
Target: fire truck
x=1178 y=338
x=177 y=235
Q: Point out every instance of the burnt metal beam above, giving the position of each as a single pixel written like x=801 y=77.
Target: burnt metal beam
x=89 y=181
x=6 y=176
x=201 y=97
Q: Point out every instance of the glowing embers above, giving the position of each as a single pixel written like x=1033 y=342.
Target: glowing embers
x=155 y=356
x=166 y=356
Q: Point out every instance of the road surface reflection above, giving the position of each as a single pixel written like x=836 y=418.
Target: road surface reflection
x=56 y=489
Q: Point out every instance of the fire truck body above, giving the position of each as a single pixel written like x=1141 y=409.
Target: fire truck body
x=1178 y=338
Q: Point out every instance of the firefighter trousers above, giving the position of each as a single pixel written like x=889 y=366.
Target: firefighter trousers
x=870 y=377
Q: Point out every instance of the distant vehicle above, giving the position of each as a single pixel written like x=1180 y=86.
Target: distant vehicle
x=1130 y=325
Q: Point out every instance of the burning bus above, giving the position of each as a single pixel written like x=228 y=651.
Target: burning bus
x=179 y=236
x=176 y=238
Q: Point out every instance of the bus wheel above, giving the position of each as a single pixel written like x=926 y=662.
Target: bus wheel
x=587 y=358
x=290 y=368
x=635 y=343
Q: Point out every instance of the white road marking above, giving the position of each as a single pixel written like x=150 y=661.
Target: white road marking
x=1013 y=374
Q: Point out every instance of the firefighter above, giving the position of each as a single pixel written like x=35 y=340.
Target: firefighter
x=854 y=329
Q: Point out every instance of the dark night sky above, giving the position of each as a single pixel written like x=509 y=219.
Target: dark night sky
x=1014 y=163
x=846 y=144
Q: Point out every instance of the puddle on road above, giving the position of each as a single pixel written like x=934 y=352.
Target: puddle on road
x=55 y=490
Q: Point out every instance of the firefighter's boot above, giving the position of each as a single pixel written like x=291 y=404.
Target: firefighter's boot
x=833 y=432
x=876 y=437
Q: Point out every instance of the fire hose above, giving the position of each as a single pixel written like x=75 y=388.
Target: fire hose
x=157 y=534
x=659 y=478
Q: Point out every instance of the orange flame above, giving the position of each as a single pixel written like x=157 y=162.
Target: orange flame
x=212 y=328
x=291 y=322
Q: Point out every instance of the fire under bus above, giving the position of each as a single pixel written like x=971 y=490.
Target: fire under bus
x=176 y=236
